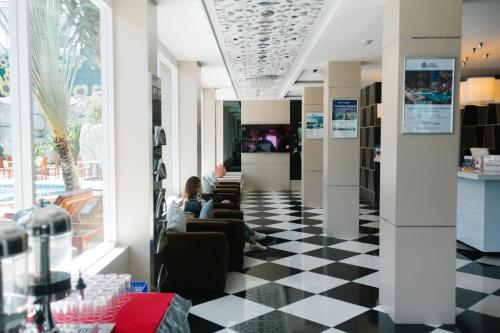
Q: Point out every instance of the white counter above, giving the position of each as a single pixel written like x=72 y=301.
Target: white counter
x=478 y=210
x=477 y=175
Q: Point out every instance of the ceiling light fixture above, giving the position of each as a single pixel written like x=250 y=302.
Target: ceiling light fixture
x=486 y=56
x=480 y=45
x=473 y=50
x=367 y=41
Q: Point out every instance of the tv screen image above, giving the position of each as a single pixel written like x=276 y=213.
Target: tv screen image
x=265 y=138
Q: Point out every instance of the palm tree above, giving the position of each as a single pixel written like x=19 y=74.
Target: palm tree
x=63 y=33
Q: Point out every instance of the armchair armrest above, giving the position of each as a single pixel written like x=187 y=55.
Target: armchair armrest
x=197 y=225
x=224 y=206
x=221 y=190
x=228 y=214
x=229 y=184
x=195 y=261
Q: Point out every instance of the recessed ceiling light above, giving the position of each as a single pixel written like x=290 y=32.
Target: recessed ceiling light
x=480 y=45
x=367 y=41
x=473 y=50
x=486 y=56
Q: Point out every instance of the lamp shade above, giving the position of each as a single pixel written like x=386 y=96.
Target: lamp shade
x=497 y=91
x=480 y=90
x=463 y=93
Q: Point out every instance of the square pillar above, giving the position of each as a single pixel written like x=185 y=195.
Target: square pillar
x=189 y=121
x=208 y=131
x=340 y=155
x=312 y=151
x=418 y=197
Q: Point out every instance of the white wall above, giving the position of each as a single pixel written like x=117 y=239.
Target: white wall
x=266 y=171
x=208 y=129
x=189 y=121
x=134 y=57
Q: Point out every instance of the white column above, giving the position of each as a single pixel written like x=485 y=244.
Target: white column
x=134 y=25
x=208 y=131
x=219 y=124
x=189 y=121
x=340 y=156
x=312 y=151
x=418 y=172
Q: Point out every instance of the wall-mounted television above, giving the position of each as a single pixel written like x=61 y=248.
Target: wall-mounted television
x=265 y=138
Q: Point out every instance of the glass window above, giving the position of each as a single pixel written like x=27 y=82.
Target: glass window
x=6 y=165
x=167 y=73
x=67 y=113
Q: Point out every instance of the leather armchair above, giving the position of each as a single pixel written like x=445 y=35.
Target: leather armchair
x=197 y=260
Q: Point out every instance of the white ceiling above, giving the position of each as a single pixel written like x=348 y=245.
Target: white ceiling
x=481 y=23
x=339 y=33
x=184 y=29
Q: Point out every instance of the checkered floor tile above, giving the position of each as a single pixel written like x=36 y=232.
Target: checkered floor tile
x=306 y=282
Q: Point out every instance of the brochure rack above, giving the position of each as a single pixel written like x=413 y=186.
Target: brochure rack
x=158 y=173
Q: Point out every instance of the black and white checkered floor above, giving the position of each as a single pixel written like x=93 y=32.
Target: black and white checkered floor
x=306 y=282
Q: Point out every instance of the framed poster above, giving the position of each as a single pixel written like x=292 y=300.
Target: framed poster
x=344 y=118
x=428 y=95
x=314 y=125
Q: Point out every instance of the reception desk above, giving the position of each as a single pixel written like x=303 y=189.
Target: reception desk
x=478 y=210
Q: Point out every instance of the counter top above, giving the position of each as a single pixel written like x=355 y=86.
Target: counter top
x=477 y=175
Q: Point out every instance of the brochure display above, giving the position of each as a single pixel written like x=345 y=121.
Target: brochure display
x=344 y=118
x=428 y=99
x=314 y=125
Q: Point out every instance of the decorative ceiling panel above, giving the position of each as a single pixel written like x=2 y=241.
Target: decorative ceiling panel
x=262 y=39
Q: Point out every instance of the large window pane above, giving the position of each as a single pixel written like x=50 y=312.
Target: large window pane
x=67 y=113
x=6 y=165
x=168 y=116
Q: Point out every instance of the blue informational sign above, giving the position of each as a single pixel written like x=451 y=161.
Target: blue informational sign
x=344 y=119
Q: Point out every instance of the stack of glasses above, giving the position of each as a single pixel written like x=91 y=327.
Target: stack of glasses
x=102 y=299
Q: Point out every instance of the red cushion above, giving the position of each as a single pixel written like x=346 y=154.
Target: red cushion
x=219 y=171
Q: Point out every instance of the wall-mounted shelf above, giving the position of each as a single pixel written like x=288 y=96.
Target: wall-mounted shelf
x=370 y=126
x=480 y=129
x=158 y=213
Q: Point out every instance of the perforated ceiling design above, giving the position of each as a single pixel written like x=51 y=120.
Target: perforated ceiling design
x=262 y=39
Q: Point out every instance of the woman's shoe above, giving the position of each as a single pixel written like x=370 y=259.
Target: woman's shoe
x=257 y=247
x=258 y=236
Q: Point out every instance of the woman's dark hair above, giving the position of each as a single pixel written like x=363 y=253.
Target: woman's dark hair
x=192 y=187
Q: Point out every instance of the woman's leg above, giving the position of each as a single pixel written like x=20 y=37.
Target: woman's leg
x=247 y=232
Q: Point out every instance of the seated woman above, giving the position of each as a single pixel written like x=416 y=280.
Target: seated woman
x=193 y=202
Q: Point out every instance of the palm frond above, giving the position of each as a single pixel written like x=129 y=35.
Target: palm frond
x=62 y=34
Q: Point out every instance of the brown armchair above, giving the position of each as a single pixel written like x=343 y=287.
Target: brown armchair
x=197 y=260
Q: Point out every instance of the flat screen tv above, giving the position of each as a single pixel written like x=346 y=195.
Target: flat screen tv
x=265 y=138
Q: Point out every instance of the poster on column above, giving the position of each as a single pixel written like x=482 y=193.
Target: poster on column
x=428 y=95
x=344 y=119
x=314 y=125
